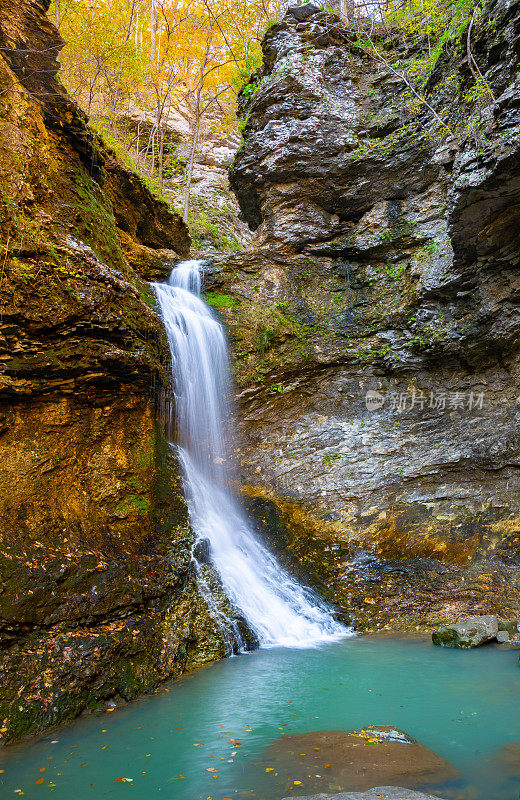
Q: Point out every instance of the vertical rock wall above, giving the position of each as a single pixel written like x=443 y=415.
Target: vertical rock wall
x=375 y=321
x=97 y=596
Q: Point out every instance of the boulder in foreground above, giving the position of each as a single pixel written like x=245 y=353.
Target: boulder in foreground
x=357 y=760
x=472 y=632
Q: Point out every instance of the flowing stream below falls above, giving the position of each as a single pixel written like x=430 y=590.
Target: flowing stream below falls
x=277 y=609
x=207 y=735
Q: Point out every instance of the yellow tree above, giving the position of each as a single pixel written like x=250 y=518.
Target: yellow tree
x=221 y=49
x=103 y=61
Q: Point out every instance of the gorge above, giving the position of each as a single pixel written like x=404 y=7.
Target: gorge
x=365 y=477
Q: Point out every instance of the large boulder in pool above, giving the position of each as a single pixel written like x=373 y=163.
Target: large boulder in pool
x=390 y=792
x=357 y=760
x=472 y=632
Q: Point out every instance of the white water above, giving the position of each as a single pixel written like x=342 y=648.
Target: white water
x=277 y=608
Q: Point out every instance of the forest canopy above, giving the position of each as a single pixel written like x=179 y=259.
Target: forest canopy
x=128 y=62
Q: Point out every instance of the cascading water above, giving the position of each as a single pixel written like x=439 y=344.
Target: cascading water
x=276 y=607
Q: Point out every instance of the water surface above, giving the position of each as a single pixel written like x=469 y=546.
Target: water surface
x=461 y=704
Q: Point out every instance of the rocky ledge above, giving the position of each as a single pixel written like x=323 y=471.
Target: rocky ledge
x=375 y=320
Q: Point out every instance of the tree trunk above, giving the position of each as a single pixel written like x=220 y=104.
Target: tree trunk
x=153 y=29
x=189 y=168
x=118 y=85
x=347 y=9
x=196 y=130
x=57 y=13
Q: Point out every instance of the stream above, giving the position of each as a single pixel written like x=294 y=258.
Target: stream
x=220 y=733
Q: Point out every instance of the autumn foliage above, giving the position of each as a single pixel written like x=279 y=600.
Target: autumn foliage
x=159 y=55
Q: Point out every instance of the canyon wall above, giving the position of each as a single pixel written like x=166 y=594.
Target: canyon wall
x=375 y=318
x=97 y=593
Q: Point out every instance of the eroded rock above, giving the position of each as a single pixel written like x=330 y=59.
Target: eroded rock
x=385 y=262
x=98 y=595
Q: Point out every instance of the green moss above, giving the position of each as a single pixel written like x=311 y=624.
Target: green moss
x=95 y=221
x=206 y=227
x=219 y=300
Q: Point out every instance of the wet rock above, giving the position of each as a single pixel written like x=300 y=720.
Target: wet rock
x=390 y=792
x=202 y=551
x=385 y=261
x=511 y=626
x=508 y=642
x=473 y=632
x=356 y=760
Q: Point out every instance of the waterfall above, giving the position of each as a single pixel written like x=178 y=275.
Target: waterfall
x=278 y=609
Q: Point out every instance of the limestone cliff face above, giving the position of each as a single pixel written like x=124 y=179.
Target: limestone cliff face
x=97 y=597
x=385 y=260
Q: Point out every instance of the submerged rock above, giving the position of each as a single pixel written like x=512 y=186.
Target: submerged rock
x=357 y=759
x=473 y=632
x=508 y=758
x=390 y=792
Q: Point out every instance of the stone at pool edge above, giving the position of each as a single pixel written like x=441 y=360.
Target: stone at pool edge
x=472 y=632
x=510 y=626
x=507 y=642
x=378 y=793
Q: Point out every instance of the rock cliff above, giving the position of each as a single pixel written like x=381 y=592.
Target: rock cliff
x=375 y=321
x=97 y=596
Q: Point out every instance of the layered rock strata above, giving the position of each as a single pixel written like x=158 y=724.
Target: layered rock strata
x=97 y=592
x=375 y=321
